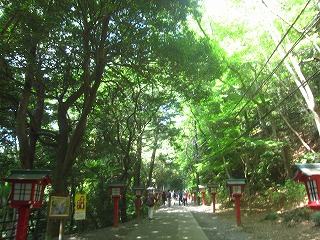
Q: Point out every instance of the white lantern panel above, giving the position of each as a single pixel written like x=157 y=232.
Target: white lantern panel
x=213 y=190
x=37 y=192
x=22 y=191
x=236 y=189
x=312 y=190
x=115 y=191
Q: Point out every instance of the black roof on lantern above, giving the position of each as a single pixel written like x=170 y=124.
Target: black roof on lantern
x=236 y=181
x=309 y=169
x=306 y=170
x=28 y=174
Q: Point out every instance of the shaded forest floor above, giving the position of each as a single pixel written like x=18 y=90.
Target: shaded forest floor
x=255 y=224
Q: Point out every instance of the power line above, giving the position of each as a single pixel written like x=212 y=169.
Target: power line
x=269 y=76
x=317 y=73
x=307 y=29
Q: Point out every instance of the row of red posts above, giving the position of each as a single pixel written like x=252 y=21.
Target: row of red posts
x=236 y=187
x=27 y=190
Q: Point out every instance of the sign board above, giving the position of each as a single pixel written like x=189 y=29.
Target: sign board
x=80 y=207
x=59 y=206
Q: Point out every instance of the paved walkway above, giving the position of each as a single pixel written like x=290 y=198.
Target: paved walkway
x=169 y=223
x=175 y=222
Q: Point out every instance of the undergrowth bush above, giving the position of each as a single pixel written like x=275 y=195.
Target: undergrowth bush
x=315 y=217
x=272 y=216
x=292 y=193
x=297 y=215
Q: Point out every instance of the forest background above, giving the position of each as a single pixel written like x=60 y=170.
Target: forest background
x=159 y=93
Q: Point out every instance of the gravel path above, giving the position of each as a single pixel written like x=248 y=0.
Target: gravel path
x=217 y=228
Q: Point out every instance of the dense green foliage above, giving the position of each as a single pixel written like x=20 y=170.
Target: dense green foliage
x=315 y=217
x=159 y=94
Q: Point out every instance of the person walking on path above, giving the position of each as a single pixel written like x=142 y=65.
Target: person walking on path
x=173 y=196
x=150 y=201
x=164 y=198
x=184 y=198
x=180 y=197
x=169 y=198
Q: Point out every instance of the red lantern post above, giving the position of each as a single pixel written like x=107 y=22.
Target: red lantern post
x=26 y=192
x=116 y=193
x=138 y=193
x=195 y=191
x=203 y=193
x=236 y=189
x=213 y=189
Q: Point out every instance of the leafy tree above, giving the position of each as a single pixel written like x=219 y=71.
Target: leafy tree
x=63 y=54
x=245 y=126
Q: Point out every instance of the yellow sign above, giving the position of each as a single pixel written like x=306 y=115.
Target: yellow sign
x=80 y=207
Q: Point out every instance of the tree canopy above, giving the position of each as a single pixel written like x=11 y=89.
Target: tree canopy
x=170 y=93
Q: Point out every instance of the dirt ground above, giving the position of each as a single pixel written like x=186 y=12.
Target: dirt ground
x=255 y=224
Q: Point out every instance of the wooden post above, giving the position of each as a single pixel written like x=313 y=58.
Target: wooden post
x=138 y=206
x=203 y=199
x=213 y=202
x=23 y=218
x=238 y=214
x=116 y=211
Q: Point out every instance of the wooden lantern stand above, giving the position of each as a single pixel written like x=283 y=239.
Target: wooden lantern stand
x=213 y=189
x=203 y=193
x=236 y=190
x=27 y=192
x=195 y=191
x=116 y=194
x=138 y=193
x=309 y=174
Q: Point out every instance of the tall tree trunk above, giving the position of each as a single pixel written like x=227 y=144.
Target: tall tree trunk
x=297 y=134
x=286 y=156
x=153 y=157
x=69 y=142
x=137 y=166
x=124 y=178
x=196 y=156
x=37 y=115
x=226 y=169
x=21 y=120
